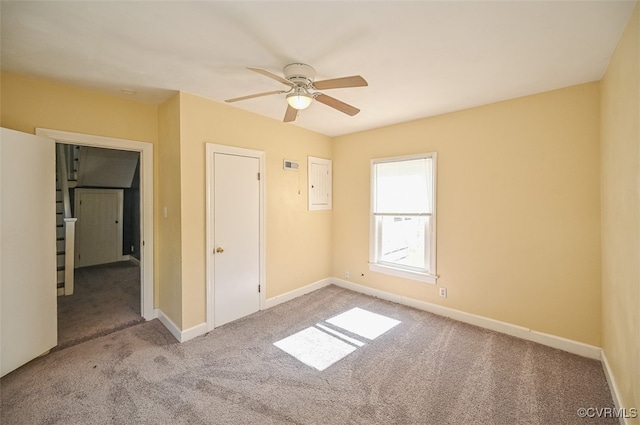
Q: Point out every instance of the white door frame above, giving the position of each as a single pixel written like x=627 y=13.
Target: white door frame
x=146 y=200
x=211 y=150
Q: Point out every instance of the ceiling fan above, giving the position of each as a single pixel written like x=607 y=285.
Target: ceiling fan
x=302 y=89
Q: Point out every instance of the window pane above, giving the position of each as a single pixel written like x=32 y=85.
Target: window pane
x=403 y=186
x=402 y=240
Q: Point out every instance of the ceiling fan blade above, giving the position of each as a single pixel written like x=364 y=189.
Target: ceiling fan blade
x=251 y=96
x=272 y=75
x=341 y=83
x=291 y=114
x=337 y=104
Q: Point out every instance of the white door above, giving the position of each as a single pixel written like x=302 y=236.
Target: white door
x=28 y=315
x=99 y=227
x=236 y=236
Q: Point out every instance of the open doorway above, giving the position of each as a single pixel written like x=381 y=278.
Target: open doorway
x=103 y=191
x=142 y=260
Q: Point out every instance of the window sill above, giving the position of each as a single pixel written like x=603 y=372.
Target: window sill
x=407 y=274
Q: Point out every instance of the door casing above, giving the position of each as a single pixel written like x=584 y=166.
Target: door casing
x=211 y=150
x=146 y=201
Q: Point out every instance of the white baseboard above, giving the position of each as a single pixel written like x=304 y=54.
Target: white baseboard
x=168 y=323
x=288 y=296
x=564 y=344
x=560 y=343
x=181 y=336
x=153 y=315
x=613 y=386
x=193 y=332
x=201 y=329
x=134 y=260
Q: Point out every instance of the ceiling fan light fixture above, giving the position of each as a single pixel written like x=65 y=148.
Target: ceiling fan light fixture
x=299 y=100
x=302 y=89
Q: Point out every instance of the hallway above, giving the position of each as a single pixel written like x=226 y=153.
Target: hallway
x=106 y=299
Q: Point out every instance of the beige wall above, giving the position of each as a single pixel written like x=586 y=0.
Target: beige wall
x=620 y=138
x=518 y=200
x=518 y=210
x=168 y=292
x=28 y=103
x=298 y=241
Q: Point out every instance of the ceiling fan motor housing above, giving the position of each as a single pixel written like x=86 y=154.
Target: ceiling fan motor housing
x=299 y=73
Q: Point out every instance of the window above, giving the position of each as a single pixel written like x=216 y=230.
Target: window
x=403 y=219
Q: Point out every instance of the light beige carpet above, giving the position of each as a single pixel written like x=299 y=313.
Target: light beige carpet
x=425 y=369
x=106 y=298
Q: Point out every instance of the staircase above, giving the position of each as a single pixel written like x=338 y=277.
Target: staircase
x=59 y=237
x=66 y=174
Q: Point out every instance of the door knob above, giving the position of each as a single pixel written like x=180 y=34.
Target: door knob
x=219 y=250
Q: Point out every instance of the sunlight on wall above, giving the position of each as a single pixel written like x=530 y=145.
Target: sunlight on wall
x=320 y=346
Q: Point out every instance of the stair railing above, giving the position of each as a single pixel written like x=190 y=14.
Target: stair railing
x=69 y=221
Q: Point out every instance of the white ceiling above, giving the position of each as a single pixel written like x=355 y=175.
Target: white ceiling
x=420 y=58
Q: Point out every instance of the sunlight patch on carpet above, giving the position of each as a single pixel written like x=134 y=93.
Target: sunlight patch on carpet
x=321 y=346
x=315 y=348
x=363 y=323
x=340 y=335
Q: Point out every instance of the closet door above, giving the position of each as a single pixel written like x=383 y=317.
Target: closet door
x=236 y=221
x=99 y=227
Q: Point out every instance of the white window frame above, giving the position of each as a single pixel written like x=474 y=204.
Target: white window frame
x=428 y=275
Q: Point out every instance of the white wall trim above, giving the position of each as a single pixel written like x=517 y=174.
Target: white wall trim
x=146 y=200
x=168 y=323
x=613 y=386
x=553 y=341
x=193 y=332
x=288 y=296
x=203 y=328
x=181 y=336
x=560 y=343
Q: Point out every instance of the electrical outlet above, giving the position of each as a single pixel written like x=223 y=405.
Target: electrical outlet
x=443 y=292
x=346 y=274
